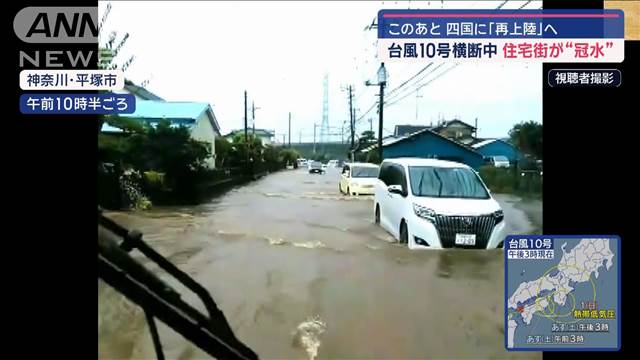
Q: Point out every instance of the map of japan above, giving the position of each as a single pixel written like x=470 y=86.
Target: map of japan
x=564 y=297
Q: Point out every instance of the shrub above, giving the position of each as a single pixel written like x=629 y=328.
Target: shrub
x=511 y=180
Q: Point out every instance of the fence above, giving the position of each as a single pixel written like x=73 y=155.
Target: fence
x=512 y=180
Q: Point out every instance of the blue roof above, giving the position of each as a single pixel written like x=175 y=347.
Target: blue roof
x=152 y=109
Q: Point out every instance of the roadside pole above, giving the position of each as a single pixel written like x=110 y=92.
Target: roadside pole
x=246 y=135
x=314 y=138
x=289 y=130
x=351 y=116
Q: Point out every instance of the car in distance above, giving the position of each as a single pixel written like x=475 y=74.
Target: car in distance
x=302 y=162
x=332 y=163
x=359 y=178
x=315 y=167
x=497 y=161
x=428 y=203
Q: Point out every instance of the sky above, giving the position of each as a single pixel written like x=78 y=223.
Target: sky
x=280 y=52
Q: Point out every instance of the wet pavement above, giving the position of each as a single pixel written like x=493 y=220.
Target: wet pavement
x=302 y=272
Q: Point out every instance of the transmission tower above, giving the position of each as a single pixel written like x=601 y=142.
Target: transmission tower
x=324 y=127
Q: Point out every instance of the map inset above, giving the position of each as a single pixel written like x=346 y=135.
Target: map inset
x=565 y=297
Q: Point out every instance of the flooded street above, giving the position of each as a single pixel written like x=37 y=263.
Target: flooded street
x=302 y=272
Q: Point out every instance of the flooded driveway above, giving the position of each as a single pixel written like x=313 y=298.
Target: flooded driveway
x=302 y=272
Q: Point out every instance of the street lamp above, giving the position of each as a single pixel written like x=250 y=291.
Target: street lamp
x=382 y=82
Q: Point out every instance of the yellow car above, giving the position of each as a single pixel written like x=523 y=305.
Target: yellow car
x=359 y=178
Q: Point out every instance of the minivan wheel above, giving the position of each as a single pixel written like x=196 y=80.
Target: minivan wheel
x=377 y=215
x=404 y=233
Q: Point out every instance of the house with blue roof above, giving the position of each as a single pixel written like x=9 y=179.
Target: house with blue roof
x=498 y=147
x=198 y=117
x=427 y=143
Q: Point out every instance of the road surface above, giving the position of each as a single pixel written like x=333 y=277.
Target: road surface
x=302 y=272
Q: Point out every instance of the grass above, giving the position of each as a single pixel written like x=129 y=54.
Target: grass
x=511 y=181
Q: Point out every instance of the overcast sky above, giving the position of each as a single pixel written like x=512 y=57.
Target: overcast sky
x=280 y=51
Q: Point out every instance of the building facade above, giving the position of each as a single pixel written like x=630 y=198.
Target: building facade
x=429 y=144
x=197 y=117
x=498 y=147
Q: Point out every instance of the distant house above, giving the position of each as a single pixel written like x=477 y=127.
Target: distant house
x=498 y=147
x=404 y=130
x=196 y=116
x=266 y=136
x=427 y=143
x=455 y=129
x=138 y=91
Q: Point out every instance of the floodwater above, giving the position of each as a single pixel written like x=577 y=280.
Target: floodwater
x=302 y=272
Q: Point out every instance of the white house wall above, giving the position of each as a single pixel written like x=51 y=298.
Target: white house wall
x=203 y=131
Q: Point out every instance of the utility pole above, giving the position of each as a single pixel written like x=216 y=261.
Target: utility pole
x=289 y=130
x=351 y=119
x=314 y=138
x=382 y=82
x=245 y=116
x=371 y=124
x=253 y=116
x=246 y=141
x=300 y=137
x=283 y=142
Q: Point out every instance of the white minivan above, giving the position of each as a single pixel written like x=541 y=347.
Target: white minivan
x=428 y=203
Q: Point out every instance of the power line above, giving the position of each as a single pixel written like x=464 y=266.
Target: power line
x=418 y=73
x=423 y=85
x=411 y=78
x=501 y=5
x=366 y=112
x=418 y=87
x=412 y=89
x=431 y=63
x=525 y=4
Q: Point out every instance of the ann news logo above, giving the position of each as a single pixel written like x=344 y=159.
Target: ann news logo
x=56 y=25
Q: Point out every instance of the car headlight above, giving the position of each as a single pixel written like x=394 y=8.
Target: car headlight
x=498 y=215
x=424 y=212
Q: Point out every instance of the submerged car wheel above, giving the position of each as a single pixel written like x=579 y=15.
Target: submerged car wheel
x=404 y=233
x=377 y=215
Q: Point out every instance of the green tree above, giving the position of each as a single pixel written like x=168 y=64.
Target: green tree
x=163 y=149
x=366 y=139
x=126 y=124
x=243 y=149
x=373 y=156
x=271 y=156
x=171 y=150
x=289 y=156
x=527 y=137
x=223 y=150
